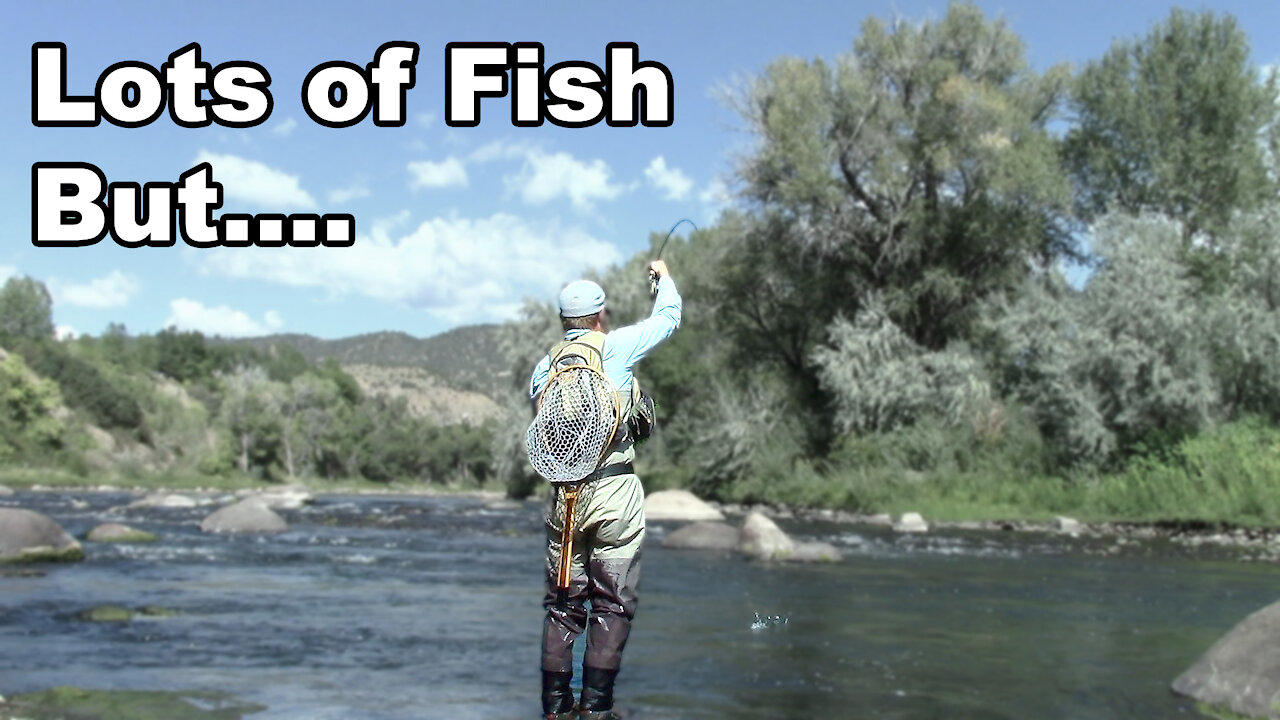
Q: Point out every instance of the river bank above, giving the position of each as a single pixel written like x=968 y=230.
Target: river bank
x=1245 y=543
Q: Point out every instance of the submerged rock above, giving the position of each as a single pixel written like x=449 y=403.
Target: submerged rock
x=115 y=532
x=680 y=505
x=106 y=613
x=72 y=702
x=703 y=536
x=27 y=536
x=248 y=515
x=762 y=539
x=1241 y=672
x=814 y=552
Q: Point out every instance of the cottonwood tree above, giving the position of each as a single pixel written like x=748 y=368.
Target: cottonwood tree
x=918 y=167
x=1178 y=122
x=26 y=309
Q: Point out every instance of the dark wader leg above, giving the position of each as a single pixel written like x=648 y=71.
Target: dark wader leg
x=566 y=618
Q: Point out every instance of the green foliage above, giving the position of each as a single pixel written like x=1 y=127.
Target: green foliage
x=1177 y=122
x=84 y=387
x=1229 y=472
x=29 y=424
x=26 y=309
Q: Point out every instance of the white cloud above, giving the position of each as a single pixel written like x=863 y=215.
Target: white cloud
x=341 y=196
x=186 y=314
x=65 y=332
x=546 y=177
x=458 y=269
x=671 y=181
x=257 y=184
x=447 y=173
x=286 y=128
x=715 y=196
x=500 y=150
x=7 y=271
x=112 y=290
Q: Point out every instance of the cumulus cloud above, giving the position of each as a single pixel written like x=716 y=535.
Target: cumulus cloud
x=286 y=128
x=186 y=314
x=7 y=271
x=671 y=181
x=65 y=332
x=112 y=290
x=341 y=196
x=715 y=196
x=458 y=269
x=256 y=184
x=546 y=177
x=449 y=172
x=500 y=150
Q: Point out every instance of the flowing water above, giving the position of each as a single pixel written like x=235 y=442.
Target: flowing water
x=413 y=607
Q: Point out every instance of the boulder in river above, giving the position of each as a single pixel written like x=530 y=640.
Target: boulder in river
x=911 y=523
x=164 y=500
x=27 y=536
x=1241 y=672
x=5 y=491
x=289 y=497
x=115 y=532
x=247 y=516
x=679 y=505
x=1066 y=525
x=703 y=536
x=762 y=539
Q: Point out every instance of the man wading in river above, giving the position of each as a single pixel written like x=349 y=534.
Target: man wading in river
x=605 y=549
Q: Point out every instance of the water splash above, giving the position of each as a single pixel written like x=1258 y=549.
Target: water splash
x=768 y=621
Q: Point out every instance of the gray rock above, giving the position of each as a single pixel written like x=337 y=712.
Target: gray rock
x=5 y=491
x=814 y=552
x=762 y=539
x=679 y=505
x=27 y=536
x=1241 y=672
x=911 y=523
x=164 y=500
x=290 y=497
x=247 y=516
x=1067 y=525
x=880 y=519
x=703 y=536
x=115 y=532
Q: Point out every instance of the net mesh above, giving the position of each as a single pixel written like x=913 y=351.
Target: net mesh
x=576 y=419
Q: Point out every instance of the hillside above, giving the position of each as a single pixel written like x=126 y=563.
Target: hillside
x=427 y=395
x=465 y=358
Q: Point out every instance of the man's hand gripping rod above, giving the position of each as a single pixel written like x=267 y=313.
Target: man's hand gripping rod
x=653 y=275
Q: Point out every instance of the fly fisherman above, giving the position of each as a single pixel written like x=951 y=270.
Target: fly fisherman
x=605 y=555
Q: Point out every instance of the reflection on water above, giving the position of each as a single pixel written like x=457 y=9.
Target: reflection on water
x=399 y=607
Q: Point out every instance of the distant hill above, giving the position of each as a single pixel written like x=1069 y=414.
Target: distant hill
x=464 y=358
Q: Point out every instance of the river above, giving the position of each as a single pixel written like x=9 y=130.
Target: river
x=400 y=607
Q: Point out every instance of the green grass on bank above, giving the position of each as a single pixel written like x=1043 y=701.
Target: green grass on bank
x=1229 y=475
x=24 y=478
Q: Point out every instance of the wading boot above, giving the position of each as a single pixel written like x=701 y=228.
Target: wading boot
x=597 y=694
x=557 y=696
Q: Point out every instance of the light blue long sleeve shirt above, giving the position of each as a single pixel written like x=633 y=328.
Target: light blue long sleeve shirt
x=626 y=346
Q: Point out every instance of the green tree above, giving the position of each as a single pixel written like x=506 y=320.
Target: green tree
x=28 y=411
x=26 y=309
x=918 y=168
x=1177 y=122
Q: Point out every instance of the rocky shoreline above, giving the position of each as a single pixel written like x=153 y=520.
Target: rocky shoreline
x=1248 y=544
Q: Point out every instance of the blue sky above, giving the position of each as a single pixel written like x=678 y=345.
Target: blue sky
x=454 y=225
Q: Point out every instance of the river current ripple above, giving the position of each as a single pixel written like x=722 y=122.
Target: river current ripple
x=400 y=607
